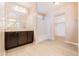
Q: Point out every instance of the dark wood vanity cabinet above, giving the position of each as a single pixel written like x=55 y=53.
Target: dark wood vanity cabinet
x=14 y=39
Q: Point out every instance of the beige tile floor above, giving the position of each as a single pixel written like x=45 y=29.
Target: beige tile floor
x=45 y=48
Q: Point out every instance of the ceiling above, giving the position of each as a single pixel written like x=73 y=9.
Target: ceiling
x=44 y=7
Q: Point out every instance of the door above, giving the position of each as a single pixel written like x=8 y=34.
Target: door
x=22 y=38
x=30 y=36
x=10 y=40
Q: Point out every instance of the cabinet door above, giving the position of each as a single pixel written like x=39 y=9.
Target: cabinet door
x=30 y=36
x=10 y=40
x=22 y=38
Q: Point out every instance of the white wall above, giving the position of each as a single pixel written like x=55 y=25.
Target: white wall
x=70 y=15
x=0 y=45
x=1 y=30
x=2 y=51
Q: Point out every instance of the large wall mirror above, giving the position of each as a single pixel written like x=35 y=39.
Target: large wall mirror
x=16 y=16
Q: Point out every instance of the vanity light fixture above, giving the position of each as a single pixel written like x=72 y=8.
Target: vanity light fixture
x=20 y=9
x=2 y=22
x=10 y=22
x=56 y=3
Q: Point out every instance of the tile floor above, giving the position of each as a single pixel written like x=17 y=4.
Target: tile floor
x=45 y=48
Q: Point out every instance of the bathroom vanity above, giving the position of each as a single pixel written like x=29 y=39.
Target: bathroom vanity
x=18 y=38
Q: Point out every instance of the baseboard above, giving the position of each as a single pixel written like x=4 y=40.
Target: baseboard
x=71 y=43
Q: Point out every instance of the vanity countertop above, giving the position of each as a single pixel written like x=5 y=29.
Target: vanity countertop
x=17 y=30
